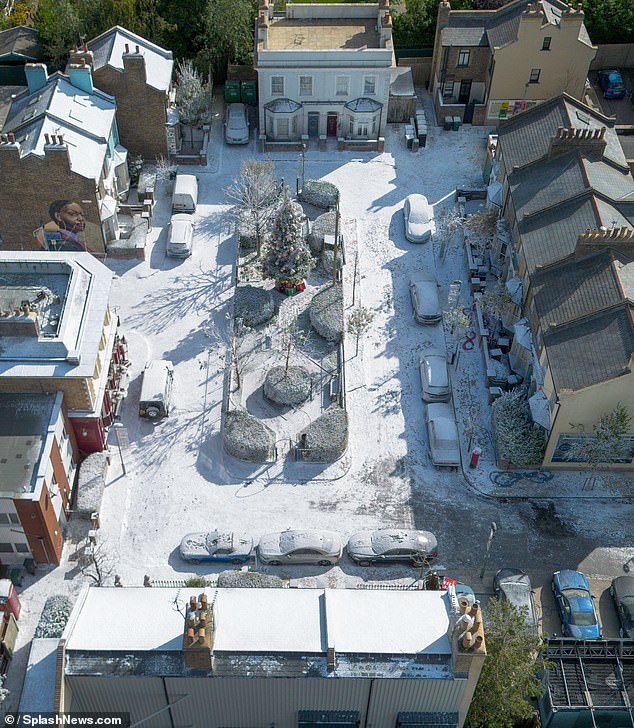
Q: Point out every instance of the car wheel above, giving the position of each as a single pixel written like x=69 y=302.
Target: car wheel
x=236 y=561
x=612 y=592
x=152 y=412
x=323 y=562
x=563 y=629
x=273 y=563
x=552 y=586
x=363 y=563
x=194 y=561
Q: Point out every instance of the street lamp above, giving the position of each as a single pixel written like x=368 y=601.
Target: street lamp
x=492 y=530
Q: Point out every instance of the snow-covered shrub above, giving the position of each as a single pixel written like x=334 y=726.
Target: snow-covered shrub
x=246 y=438
x=319 y=193
x=55 y=614
x=326 y=313
x=248 y=580
x=253 y=306
x=326 y=437
x=323 y=225
x=518 y=440
x=287 y=386
x=91 y=484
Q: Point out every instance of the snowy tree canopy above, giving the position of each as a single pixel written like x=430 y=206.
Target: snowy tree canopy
x=517 y=438
x=287 y=256
x=193 y=98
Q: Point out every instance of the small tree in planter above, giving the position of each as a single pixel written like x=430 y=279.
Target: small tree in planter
x=606 y=444
x=286 y=256
x=358 y=323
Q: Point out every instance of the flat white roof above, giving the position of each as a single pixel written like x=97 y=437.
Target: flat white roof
x=264 y=620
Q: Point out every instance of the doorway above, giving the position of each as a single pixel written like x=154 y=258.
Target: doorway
x=465 y=92
x=331 y=128
x=313 y=124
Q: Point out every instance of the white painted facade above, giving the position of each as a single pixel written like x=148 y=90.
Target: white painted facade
x=324 y=70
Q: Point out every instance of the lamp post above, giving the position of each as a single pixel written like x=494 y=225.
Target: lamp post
x=487 y=550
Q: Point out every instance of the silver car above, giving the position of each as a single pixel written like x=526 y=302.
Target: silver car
x=237 y=124
x=423 y=289
x=514 y=586
x=221 y=546
x=385 y=545
x=417 y=215
x=434 y=377
x=300 y=547
x=443 y=435
x=180 y=237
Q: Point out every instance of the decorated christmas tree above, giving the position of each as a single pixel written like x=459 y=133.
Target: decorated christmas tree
x=287 y=256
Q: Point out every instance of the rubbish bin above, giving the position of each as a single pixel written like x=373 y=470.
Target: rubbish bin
x=457 y=121
x=475 y=457
x=448 y=125
x=232 y=92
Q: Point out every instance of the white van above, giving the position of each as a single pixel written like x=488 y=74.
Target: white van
x=185 y=196
x=156 y=390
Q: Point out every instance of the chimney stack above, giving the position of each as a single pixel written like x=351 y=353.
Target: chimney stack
x=198 y=634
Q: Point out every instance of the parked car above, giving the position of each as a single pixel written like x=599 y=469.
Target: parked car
x=576 y=609
x=393 y=545
x=300 y=547
x=180 y=237
x=216 y=546
x=417 y=215
x=622 y=591
x=434 y=377
x=443 y=435
x=514 y=586
x=423 y=289
x=611 y=83
x=237 y=124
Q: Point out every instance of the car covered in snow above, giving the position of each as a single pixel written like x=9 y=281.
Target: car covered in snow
x=444 y=445
x=611 y=83
x=434 y=377
x=300 y=547
x=389 y=545
x=514 y=586
x=180 y=237
x=423 y=290
x=575 y=605
x=235 y=548
x=237 y=124
x=417 y=215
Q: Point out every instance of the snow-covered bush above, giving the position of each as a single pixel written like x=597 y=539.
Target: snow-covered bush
x=246 y=438
x=248 y=580
x=319 y=193
x=323 y=225
x=289 y=386
x=326 y=313
x=328 y=261
x=253 y=306
x=518 y=440
x=91 y=484
x=327 y=437
x=55 y=614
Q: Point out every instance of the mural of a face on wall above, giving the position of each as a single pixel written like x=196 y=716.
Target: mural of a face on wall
x=68 y=230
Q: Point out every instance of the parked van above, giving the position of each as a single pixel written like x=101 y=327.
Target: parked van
x=156 y=390
x=185 y=196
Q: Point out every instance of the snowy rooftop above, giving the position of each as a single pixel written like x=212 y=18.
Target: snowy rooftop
x=109 y=48
x=38 y=694
x=59 y=108
x=69 y=293
x=400 y=627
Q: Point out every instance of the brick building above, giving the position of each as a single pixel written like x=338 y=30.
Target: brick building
x=38 y=460
x=62 y=168
x=139 y=75
x=58 y=335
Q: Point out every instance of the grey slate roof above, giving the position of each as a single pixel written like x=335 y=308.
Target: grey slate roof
x=591 y=350
x=464 y=34
x=21 y=42
x=608 y=180
x=575 y=288
x=551 y=235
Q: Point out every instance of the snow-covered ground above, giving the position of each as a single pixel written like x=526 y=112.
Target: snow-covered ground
x=177 y=478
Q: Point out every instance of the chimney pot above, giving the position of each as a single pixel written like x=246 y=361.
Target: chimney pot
x=193 y=604
x=127 y=48
x=12 y=137
x=136 y=49
x=203 y=601
x=47 y=138
x=201 y=635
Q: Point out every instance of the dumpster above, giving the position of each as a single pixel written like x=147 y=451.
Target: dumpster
x=232 y=92
x=248 y=92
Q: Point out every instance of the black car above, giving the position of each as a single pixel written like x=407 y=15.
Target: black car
x=622 y=591
x=514 y=586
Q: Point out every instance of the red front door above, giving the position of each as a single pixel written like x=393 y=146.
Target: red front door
x=332 y=125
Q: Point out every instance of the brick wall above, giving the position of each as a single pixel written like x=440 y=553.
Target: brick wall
x=41 y=528
x=29 y=185
x=476 y=71
x=141 y=112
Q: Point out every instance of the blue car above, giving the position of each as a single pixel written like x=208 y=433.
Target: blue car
x=222 y=546
x=611 y=83
x=578 y=616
